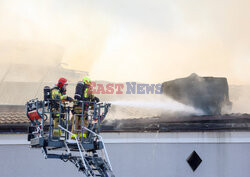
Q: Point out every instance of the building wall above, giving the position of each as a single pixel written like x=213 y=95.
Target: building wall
x=223 y=154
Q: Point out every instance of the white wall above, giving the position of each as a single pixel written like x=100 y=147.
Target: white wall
x=224 y=154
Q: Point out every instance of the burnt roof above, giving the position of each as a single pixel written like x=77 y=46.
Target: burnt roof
x=230 y=122
x=13 y=120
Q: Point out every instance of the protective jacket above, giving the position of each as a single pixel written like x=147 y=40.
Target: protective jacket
x=83 y=93
x=57 y=96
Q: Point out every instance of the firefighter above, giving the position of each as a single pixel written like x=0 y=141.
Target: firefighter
x=82 y=93
x=58 y=94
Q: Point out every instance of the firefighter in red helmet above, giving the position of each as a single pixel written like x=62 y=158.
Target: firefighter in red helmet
x=58 y=94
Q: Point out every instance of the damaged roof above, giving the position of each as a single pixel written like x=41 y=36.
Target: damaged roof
x=13 y=120
x=232 y=122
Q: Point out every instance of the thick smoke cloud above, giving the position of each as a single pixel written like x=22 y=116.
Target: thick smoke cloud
x=168 y=39
x=114 y=40
x=145 y=41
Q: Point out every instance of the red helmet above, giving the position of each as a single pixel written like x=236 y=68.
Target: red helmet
x=61 y=82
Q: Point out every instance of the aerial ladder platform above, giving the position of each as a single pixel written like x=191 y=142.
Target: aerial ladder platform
x=88 y=154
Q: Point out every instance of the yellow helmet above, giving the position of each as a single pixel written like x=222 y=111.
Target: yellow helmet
x=86 y=80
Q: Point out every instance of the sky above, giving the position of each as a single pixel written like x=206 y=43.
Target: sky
x=133 y=40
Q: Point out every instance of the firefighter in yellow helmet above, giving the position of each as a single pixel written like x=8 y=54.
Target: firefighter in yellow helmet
x=58 y=93
x=82 y=93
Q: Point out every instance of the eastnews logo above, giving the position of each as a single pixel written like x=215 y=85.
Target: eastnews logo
x=128 y=88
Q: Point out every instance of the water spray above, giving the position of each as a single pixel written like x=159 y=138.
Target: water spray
x=165 y=106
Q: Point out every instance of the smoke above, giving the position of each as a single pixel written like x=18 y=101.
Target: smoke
x=36 y=33
x=240 y=95
x=145 y=41
x=113 y=40
x=166 y=40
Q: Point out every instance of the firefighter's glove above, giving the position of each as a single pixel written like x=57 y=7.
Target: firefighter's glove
x=96 y=99
x=69 y=99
